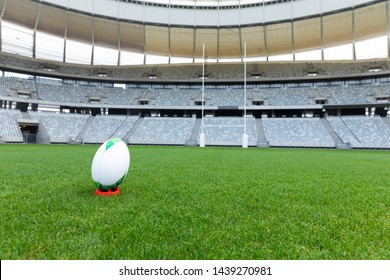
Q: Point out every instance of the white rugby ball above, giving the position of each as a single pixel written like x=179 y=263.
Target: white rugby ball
x=110 y=164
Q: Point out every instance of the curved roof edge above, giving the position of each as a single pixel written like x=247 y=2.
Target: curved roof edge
x=216 y=73
x=136 y=12
x=205 y=5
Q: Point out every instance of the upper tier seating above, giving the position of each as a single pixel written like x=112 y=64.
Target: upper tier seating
x=117 y=96
x=216 y=71
x=287 y=96
x=61 y=93
x=7 y=84
x=272 y=95
x=171 y=97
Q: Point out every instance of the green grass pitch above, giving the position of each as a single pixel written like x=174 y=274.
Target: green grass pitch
x=196 y=203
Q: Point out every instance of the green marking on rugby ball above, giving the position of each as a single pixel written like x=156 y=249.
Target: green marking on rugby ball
x=112 y=142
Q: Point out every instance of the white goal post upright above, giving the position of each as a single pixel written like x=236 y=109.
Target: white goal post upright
x=245 y=135
x=202 y=137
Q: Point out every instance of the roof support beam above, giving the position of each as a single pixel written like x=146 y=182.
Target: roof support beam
x=1 y=21
x=169 y=33
x=239 y=31
x=144 y=31
x=194 y=29
x=193 y=45
x=292 y=29
x=65 y=36
x=93 y=41
x=169 y=45
x=217 y=36
x=322 y=32
x=119 y=36
x=265 y=34
x=388 y=28
x=34 y=55
x=353 y=31
x=93 y=33
x=265 y=43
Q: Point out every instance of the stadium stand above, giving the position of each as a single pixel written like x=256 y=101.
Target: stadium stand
x=272 y=94
x=171 y=97
x=125 y=127
x=228 y=131
x=177 y=72
x=7 y=84
x=270 y=71
x=117 y=96
x=370 y=132
x=129 y=82
x=385 y=88
x=4 y=90
x=102 y=127
x=358 y=132
x=296 y=132
x=353 y=95
x=29 y=85
x=225 y=97
x=60 y=93
x=9 y=128
x=278 y=96
x=60 y=127
x=163 y=131
x=343 y=131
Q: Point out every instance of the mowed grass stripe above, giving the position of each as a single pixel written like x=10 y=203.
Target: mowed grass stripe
x=193 y=203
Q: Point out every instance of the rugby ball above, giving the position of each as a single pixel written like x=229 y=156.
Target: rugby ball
x=110 y=164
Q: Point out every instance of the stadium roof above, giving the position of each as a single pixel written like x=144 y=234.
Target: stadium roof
x=206 y=3
x=121 y=32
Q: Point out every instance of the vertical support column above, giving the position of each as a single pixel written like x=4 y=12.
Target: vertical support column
x=353 y=31
x=322 y=32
